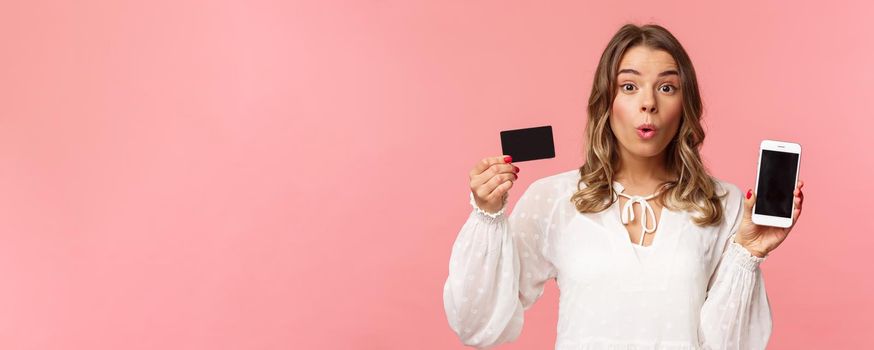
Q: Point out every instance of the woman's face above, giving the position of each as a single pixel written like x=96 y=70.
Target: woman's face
x=649 y=93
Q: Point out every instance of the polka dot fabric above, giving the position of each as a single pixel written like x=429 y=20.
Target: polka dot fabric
x=693 y=288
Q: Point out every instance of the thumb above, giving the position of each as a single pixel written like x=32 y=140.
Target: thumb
x=749 y=201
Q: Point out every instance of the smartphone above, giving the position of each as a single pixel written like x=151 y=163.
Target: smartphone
x=528 y=143
x=779 y=163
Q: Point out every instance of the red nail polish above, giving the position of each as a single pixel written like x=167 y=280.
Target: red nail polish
x=749 y=193
x=516 y=168
x=508 y=159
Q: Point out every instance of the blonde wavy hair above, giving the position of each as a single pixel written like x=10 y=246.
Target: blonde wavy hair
x=694 y=190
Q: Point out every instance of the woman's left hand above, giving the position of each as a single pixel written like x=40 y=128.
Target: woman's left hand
x=760 y=240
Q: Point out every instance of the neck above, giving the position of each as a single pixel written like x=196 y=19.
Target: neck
x=637 y=171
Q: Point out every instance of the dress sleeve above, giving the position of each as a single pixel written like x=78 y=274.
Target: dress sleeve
x=736 y=313
x=497 y=270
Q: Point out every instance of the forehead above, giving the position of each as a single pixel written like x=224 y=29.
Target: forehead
x=647 y=61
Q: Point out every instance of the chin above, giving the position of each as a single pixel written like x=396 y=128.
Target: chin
x=649 y=150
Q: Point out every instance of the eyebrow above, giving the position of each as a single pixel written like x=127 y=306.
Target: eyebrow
x=662 y=74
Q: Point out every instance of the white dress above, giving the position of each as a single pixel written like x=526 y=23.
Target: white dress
x=692 y=288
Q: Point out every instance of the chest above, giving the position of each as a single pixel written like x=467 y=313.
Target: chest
x=597 y=251
x=635 y=220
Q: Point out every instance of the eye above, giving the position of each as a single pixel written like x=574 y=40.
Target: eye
x=667 y=88
x=627 y=87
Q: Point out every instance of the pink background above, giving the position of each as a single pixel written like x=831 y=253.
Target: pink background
x=291 y=175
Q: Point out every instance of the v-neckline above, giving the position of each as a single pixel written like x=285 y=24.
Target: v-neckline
x=664 y=225
x=618 y=188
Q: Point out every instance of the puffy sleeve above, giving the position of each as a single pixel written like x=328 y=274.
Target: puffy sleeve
x=497 y=269
x=736 y=313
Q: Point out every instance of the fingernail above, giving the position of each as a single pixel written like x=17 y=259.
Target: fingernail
x=508 y=159
x=749 y=193
x=516 y=168
x=517 y=176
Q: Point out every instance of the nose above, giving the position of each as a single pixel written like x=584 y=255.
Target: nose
x=649 y=104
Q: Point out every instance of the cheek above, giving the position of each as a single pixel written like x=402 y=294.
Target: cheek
x=674 y=107
x=623 y=108
x=672 y=114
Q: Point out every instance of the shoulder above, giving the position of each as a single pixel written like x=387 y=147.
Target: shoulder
x=732 y=197
x=552 y=187
x=547 y=196
x=731 y=191
x=723 y=186
x=557 y=183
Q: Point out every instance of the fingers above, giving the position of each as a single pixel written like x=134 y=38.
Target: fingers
x=492 y=177
x=487 y=168
x=749 y=203
x=485 y=163
x=488 y=183
x=795 y=215
x=798 y=201
x=495 y=187
x=501 y=190
x=799 y=196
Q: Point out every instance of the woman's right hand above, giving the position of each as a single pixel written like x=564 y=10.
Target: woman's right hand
x=490 y=181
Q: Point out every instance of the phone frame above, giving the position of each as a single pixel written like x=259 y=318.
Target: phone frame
x=778 y=146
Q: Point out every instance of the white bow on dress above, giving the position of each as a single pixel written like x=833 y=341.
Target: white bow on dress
x=627 y=213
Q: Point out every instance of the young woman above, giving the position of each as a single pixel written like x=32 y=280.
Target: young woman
x=678 y=270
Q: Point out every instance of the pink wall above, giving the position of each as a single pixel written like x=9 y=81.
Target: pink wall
x=275 y=175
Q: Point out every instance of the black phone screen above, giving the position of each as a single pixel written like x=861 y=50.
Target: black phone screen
x=776 y=183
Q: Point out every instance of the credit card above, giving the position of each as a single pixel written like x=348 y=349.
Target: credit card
x=528 y=144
